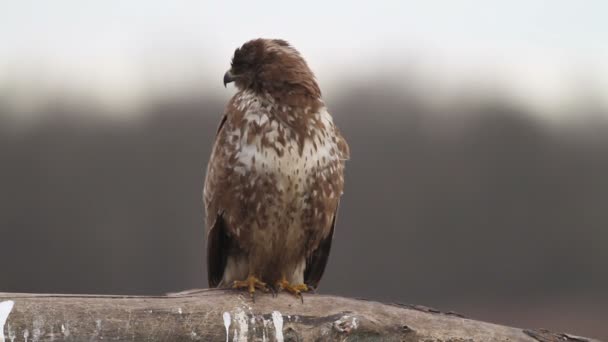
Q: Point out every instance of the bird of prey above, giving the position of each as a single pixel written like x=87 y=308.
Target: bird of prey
x=275 y=176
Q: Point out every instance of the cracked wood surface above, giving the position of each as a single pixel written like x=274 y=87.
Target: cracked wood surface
x=227 y=315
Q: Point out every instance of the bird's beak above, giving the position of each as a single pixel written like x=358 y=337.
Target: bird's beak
x=228 y=77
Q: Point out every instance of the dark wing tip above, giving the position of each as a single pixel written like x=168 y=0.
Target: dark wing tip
x=217 y=251
x=315 y=264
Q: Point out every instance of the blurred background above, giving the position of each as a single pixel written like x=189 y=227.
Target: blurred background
x=479 y=136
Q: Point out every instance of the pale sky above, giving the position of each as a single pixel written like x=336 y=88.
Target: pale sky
x=115 y=48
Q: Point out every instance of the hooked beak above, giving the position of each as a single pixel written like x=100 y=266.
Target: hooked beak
x=228 y=77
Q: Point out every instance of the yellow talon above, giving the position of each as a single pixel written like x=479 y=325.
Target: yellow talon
x=251 y=283
x=294 y=289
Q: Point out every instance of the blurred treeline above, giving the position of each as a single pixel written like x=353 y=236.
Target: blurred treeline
x=472 y=202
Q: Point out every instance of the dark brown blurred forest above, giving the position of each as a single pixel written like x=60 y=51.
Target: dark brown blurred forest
x=481 y=208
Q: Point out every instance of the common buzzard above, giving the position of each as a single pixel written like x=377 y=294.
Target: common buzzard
x=275 y=176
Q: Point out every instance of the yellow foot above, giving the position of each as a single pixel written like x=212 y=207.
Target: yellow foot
x=251 y=283
x=294 y=289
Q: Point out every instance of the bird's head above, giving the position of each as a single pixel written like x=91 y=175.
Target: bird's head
x=273 y=66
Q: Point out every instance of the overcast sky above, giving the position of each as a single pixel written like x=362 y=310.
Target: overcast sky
x=108 y=45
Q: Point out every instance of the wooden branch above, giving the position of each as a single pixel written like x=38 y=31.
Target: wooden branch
x=227 y=315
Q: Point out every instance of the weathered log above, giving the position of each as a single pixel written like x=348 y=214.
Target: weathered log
x=227 y=315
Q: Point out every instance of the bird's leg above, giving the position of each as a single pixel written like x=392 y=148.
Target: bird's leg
x=294 y=289
x=251 y=283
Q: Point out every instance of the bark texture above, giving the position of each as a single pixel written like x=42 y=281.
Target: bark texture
x=227 y=315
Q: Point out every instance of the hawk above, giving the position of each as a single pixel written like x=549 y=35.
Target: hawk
x=275 y=176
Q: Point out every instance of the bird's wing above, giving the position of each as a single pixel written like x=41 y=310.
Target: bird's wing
x=218 y=239
x=316 y=262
